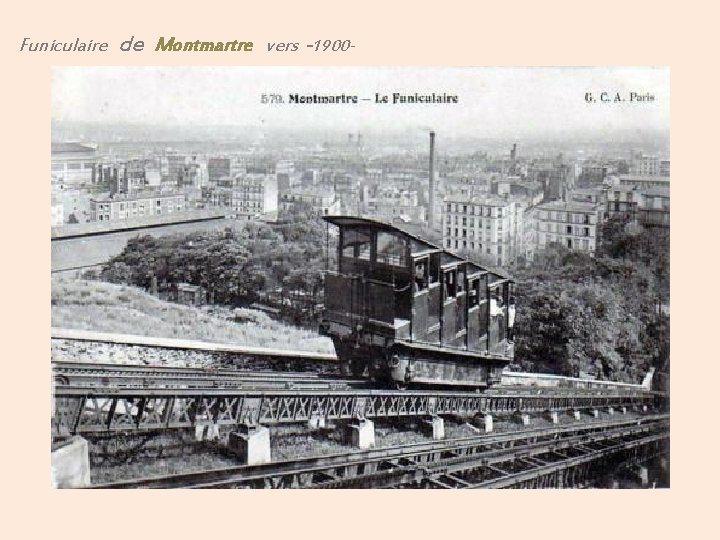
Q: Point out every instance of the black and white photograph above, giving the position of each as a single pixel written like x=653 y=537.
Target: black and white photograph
x=360 y=277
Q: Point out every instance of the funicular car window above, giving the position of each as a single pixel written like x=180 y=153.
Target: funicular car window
x=421 y=274
x=450 y=284
x=356 y=244
x=434 y=268
x=391 y=249
x=473 y=292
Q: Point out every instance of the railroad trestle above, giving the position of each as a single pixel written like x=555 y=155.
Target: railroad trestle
x=78 y=410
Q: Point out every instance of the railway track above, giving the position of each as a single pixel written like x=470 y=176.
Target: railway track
x=272 y=360
x=99 y=375
x=542 y=457
x=97 y=398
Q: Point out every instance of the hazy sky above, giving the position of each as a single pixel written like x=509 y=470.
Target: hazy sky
x=492 y=101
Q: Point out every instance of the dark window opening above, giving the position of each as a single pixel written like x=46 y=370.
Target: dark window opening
x=450 y=284
x=434 y=273
x=473 y=292
x=421 y=275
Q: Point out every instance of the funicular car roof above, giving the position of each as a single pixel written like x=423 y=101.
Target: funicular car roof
x=354 y=221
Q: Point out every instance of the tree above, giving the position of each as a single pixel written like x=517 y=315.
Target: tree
x=579 y=314
x=236 y=268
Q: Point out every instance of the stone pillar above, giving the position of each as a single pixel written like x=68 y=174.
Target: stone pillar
x=643 y=476
x=554 y=417
x=611 y=411
x=70 y=464
x=575 y=414
x=623 y=410
x=362 y=434
x=488 y=421
x=316 y=422
x=594 y=413
x=644 y=408
x=207 y=432
x=251 y=444
x=434 y=426
x=523 y=418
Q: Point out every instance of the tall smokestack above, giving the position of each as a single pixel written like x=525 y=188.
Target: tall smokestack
x=431 y=198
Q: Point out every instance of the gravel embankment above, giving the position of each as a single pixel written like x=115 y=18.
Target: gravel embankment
x=70 y=350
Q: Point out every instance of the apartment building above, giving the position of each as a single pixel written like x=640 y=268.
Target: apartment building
x=323 y=203
x=484 y=226
x=571 y=224
x=121 y=207
x=251 y=195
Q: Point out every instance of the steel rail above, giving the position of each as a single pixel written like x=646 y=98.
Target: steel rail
x=289 y=355
x=540 y=470
x=64 y=366
x=409 y=462
x=416 y=470
x=101 y=375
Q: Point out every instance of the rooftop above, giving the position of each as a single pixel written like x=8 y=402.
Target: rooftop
x=149 y=194
x=643 y=178
x=586 y=191
x=71 y=147
x=622 y=187
x=572 y=206
x=486 y=200
x=309 y=192
x=659 y=191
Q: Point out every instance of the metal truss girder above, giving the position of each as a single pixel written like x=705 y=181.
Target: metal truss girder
x=458 y=480
x=497 y=470
x=439 y=483
x=105 y=409
x=533 y=461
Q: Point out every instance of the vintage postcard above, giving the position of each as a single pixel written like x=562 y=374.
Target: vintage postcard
x=359 y=277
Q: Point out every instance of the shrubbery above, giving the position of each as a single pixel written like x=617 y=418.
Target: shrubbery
x=599 y=316
x=236 y=267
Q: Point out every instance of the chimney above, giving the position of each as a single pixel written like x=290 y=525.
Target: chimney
x=431 y=192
